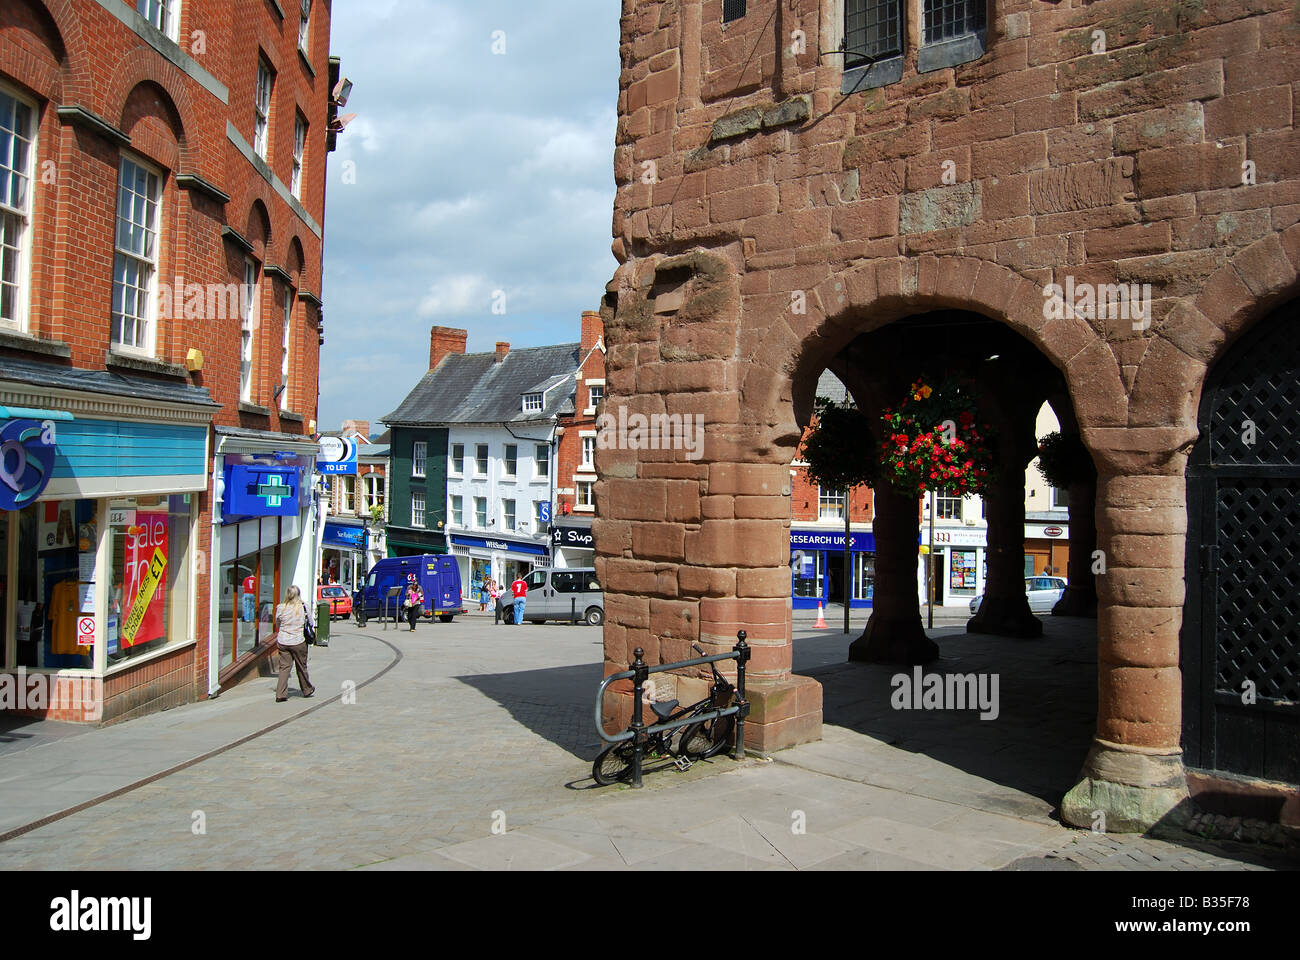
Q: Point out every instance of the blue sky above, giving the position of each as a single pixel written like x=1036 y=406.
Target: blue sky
x=475 y=172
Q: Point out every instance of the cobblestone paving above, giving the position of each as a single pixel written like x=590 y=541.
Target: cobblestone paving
x=473 y=752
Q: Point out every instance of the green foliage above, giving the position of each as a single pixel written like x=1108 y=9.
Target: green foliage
x=1063 y=460
x=840 y=449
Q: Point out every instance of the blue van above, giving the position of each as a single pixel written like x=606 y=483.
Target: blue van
x=439 y=578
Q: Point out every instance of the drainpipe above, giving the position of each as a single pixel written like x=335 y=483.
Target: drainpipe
x=214 y=576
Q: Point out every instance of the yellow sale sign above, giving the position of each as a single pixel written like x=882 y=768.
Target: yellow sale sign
x=148 y=586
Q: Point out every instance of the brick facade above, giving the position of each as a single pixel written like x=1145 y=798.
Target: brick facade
x=765 y=220
x=568 y=454
x=105 y=83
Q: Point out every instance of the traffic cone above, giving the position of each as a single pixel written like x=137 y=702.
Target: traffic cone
x=821 y=618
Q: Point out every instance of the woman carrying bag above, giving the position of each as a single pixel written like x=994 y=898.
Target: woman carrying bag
x=414 y=600
x=291 y=642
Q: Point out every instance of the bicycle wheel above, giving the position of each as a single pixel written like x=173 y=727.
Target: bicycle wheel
x=613 y=764
x=706 y=739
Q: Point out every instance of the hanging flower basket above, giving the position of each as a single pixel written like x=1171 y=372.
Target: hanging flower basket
x=933 y=440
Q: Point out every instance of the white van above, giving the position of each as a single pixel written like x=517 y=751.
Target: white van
x=559 y=593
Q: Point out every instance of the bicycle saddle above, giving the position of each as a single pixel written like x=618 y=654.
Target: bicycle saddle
x=664 y=708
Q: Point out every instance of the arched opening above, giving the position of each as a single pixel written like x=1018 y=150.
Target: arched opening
x=1241 y=620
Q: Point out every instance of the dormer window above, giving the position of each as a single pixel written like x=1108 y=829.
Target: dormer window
x=532 y=402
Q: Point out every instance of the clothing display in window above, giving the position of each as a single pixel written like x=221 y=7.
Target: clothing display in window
x=63 y=620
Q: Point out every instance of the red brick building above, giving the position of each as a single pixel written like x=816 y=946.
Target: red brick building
x=1093 y=205
x=575 y=454
x=161 y=306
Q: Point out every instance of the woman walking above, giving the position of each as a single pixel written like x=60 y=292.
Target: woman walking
x=414 y=600
x=290 y=617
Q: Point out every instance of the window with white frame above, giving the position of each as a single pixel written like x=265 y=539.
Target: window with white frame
x=347 y=494
x=458 y=511
x=284 y=350
x=508 y=514
x=373 y=491
x=542 y=459
x=419 y=458
x=481 y=459
x=247 y=327
x=1060 y=498
x=304 y=24
x=537 y=514
x=458 y=459
x=588 y=453
x=417 y=508
x=261 y=125
x=586 y=493
x=830 y=504
x=511 y=459
x=17 y=155
x=299 y=145
x=163 y=14
x=480 y=512
x=532 y=402
x=596 y=393
x=947 y=507
x=135 y=256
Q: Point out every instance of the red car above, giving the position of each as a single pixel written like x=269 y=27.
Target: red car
x=339 y=599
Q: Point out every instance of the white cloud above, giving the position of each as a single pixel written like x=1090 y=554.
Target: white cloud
x=457 y=295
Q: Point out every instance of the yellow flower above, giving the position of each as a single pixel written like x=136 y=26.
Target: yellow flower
x=925 y=392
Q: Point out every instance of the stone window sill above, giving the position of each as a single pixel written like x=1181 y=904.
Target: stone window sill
x=950 y=53
x=13 y=340
x=871 y=75
x=126 y=361
x=246 y=407
x=290 y=415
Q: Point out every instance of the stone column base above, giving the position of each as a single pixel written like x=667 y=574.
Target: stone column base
x=1076 y=602
x=1005 y=618
x=1133 y=788
x=900 y=641
x=782 y=713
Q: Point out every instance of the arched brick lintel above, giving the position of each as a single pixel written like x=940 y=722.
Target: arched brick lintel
x=142 y=65
x=868 y=296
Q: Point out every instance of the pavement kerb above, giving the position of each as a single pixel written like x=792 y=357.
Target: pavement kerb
x=217 y=751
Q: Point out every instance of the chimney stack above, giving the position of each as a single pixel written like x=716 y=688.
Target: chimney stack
x=593 y=328
x=502 y=349
x=357 y=427
x=445 y=340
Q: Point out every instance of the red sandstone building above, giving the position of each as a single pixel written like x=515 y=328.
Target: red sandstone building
x=164 y=168
x=1093 y=205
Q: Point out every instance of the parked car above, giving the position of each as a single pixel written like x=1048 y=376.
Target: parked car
x=1043 y=592
x=340 y=600
x=558 y=594
x=439 y=577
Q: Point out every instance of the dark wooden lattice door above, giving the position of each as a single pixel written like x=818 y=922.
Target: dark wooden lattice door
x=1241 y=624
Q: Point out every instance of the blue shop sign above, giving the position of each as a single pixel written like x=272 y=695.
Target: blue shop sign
x=342 y=535
x=261 y=491
x=26 y=461
x=828 y=540
x=507 y=545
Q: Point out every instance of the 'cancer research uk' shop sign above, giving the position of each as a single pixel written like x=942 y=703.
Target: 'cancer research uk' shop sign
x=26 y=461
x=337 y=455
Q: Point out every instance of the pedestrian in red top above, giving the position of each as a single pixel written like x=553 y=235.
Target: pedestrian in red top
x=520 y=590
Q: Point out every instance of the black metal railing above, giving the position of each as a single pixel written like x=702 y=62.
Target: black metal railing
x=637 y=731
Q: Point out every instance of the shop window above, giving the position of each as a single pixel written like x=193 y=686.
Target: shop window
x=57 y=544
x=864 y=576
x=808 y=571
x=17 y=131
x=250 y=587
x=961 y=573
x=149 y=541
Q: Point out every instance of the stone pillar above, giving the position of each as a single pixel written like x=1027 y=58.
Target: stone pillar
x=1005 y=610
x=894 y=632
x=1080 y=597
x=1133 y=775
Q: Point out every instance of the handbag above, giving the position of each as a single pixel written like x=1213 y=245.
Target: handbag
x=309 y=631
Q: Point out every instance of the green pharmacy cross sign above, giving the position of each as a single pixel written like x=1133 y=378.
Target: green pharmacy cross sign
x=274 y=490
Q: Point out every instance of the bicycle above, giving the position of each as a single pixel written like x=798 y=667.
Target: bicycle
x=698 y=741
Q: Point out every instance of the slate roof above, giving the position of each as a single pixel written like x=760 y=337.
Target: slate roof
x=829 y=386
x=475 y=388
x=22 y=370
